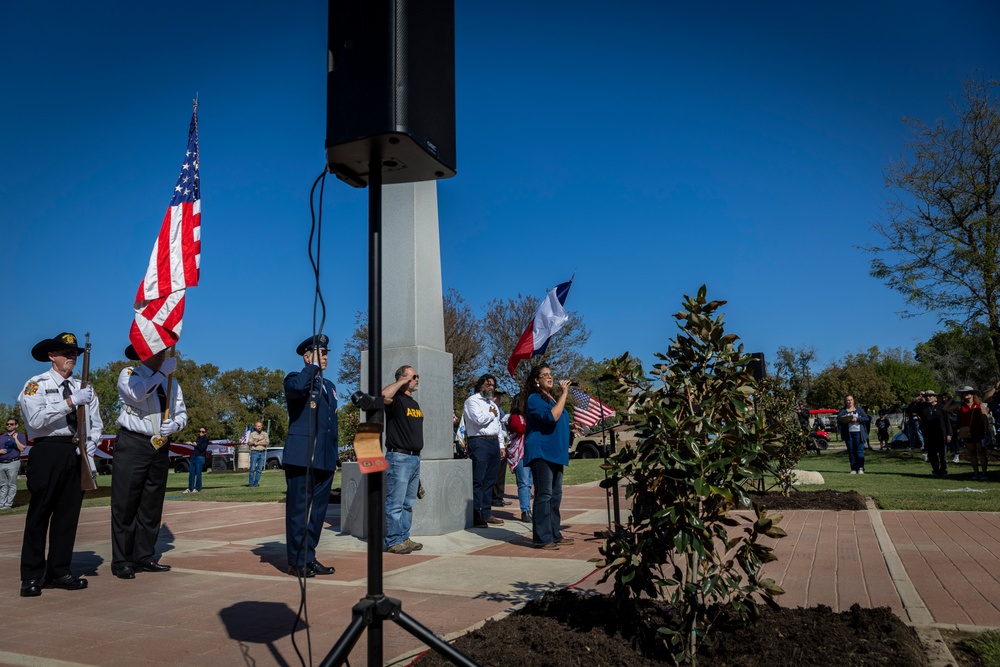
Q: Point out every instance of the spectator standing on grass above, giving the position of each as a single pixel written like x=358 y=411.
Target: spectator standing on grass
x=936 y=424
x=546 y=449
x=197 y=461
x=972 y=428
x=259 y=441
x=11 y=445
x=852 y=420
x=911 y=424
x=882 y=425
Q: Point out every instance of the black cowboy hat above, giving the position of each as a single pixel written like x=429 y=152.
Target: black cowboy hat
x=64 y=341
x=313 y=342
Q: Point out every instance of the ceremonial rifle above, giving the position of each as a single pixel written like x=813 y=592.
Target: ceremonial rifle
x=87 y=481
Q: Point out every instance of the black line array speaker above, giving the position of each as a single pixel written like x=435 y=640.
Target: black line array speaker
x=757 y=366
x=391 y=89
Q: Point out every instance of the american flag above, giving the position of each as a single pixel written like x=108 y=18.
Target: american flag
x=246 y=435
x=175 y=262
x=588 y=409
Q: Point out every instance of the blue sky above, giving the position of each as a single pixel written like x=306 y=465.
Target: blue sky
x=650 y=147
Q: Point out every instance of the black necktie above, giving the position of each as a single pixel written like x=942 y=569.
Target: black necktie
x=71 y=417
x=162 y=395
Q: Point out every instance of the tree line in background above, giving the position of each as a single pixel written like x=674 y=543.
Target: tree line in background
x=940 y=248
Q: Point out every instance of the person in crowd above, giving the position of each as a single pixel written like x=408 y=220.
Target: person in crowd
x=310 y=456
x=546 y=450
x=49 y=406
x=882 y=426
x=482 y=423
x=12 y=444
x=852 y=419
x=937 y=431
x=501 y=484
x=198 y=457
x=953 y=446
x=911 y=424
x=972 y=425
x=258 y=441
x=142 y=460
x=515 y=457
x=404 y=440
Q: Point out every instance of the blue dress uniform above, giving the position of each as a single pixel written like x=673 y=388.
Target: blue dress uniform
x=310 y=460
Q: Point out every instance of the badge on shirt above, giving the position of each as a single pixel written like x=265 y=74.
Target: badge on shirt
x=312 y=404
x=31 y=389
x=129 y=370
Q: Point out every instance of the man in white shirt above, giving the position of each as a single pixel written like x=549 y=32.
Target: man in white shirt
x=482 y=424
x=141 y=465
x=49 y=405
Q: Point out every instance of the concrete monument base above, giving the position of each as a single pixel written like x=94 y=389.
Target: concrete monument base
x=445 y=508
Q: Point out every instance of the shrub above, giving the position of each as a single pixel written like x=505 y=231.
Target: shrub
x=701 y=445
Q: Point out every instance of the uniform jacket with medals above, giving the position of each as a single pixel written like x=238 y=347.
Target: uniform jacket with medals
x=310 y=400
x=44 y=409
x=141 y=409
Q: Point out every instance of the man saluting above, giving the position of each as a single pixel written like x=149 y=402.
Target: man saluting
x=49 y=408
x=310 y=456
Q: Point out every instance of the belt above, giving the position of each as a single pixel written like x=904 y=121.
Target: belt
x=401 y=451
x=486 y=437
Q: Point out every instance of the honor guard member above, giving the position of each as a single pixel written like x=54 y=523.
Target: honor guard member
x=139 y=481
x=310 y=456
x=49 y=409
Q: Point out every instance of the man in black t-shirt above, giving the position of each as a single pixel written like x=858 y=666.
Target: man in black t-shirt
x=404 y=438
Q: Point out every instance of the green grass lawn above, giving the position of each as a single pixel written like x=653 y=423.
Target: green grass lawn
x=896 y=480
x=901 y=480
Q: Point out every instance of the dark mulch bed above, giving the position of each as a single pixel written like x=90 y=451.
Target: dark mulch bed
x=565 y=628
x=823 y=499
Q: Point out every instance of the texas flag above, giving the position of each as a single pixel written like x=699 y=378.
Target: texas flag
x=549 y=319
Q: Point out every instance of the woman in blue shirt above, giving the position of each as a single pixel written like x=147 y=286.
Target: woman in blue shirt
x=546 y=451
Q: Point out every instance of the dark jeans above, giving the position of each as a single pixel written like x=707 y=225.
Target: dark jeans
x=856 y=450
x=485 y=455
x=545 y=517
x=194 y=474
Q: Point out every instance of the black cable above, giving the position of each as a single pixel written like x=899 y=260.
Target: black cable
x=319 y=305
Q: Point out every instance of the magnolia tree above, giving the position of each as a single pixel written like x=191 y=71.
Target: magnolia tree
x=702 y=446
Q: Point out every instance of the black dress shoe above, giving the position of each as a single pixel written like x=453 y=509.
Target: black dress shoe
x=31 y=588
x=67 y=582
x=124 y=572
x=319 y=568
x=480 y=523
x=526 y=517
x=301 y=572
x=151 y=567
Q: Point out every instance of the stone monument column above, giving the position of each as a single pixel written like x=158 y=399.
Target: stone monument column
x=413 y=335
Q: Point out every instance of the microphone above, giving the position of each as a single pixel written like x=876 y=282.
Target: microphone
x=574 y=383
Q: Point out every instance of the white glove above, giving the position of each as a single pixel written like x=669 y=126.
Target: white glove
x=82 y=396
x=169 y=427
x=169 y=365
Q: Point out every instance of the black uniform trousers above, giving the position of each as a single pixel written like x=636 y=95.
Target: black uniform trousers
x=138 y=485
x=54 y=508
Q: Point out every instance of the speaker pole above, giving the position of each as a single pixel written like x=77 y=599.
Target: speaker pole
x=374 y=608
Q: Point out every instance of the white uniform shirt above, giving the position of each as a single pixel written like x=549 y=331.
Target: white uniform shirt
x=141 y=405
x=44 y=409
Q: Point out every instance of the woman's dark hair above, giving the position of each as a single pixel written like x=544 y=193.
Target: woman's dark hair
x=531 y=384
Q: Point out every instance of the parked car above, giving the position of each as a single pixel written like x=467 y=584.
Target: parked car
x=274 y=459
x=223 y=455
